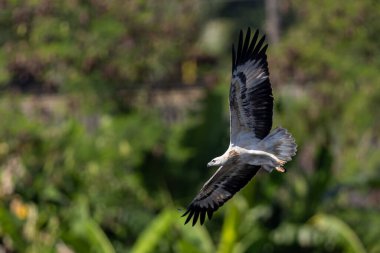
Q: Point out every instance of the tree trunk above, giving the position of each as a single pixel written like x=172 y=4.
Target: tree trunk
x=272 y=20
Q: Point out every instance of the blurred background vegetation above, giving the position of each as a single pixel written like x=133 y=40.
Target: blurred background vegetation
x=109 y=111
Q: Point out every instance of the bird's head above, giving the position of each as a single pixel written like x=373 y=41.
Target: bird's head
x=217 y=161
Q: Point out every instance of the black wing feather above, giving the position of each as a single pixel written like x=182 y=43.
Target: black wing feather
x=255 y=52
x=233 y=57
x=218 y=190
x=245 y=45
x=251 y=99
x=239 y=52
x=252 y=45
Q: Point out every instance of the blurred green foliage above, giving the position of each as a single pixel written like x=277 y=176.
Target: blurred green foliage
x=88 y=163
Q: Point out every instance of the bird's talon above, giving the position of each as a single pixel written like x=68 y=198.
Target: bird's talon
x=281 y=162
x=280 y=169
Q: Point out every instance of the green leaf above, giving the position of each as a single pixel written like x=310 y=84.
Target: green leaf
x=197 y=235
x=229 y=230
x=337 y=227
x=87 y=233
x=154 y=232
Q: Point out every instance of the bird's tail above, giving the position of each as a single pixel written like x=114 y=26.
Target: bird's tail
x=280 y=143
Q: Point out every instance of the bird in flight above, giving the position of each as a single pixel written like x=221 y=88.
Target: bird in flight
x=252 y=143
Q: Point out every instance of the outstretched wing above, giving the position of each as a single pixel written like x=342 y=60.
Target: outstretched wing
x=251 y=100
x=226 y=181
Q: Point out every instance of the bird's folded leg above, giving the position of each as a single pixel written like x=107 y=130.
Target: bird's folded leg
x=280 y=168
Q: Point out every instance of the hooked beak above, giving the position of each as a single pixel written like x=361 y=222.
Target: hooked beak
x=209 y=164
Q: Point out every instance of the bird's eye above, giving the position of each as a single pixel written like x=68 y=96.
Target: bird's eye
x=213 y=160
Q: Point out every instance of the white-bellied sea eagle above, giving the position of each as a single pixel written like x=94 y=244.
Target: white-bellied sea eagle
x=252 y=143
